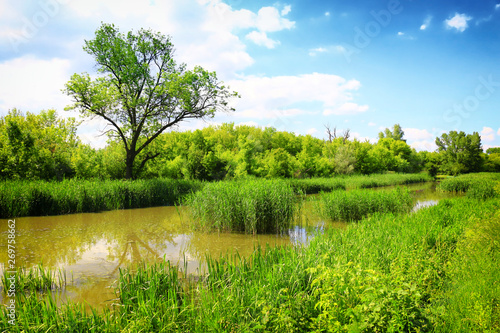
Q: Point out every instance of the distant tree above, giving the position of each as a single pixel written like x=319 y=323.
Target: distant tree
x=397 y=133
x=493 y=150
x=142 y=91
x=36 y=146
x=492 y=162
x=460 y=152
x=345 y=159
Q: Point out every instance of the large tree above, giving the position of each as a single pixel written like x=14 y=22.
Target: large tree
x=397 y=133
x=142 y=91
x=460 y=152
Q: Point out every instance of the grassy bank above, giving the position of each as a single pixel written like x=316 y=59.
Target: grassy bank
x=38 y=198
x=477 y=185
x=435 y=270
x=316 y=185
x=357 y=204
x=376 y=180
x=252 y=206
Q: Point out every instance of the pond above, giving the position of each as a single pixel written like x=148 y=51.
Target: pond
x=91 y=247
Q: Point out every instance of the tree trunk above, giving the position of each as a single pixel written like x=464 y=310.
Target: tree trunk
x=129 y=165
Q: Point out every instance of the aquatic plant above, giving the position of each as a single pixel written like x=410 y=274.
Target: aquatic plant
x=251 y=206
x=476 y=185
x=37 y=198
x=355 y=204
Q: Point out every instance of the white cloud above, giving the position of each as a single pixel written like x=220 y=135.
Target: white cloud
x=417 y=134
x=346 y=108
x=314 y=52
x=498 y=132
x=361 y=138
x=275 y=97
x=426 y=23
x=371 y=124
x=33 y=84
x=424 y=145
x=270 y=20
x=248 y=123
x=311 y=131
x=487 y=134
x=337 y=49
x=260 y=38
x=497 y=6
x=459 y=22
x=484 y=19
x=403 y=35
x=91 y=132
x=287 y=9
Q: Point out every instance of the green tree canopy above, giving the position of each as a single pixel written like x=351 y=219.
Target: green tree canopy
x=142 y=91
x=460 y=152
x=36 y=146
x=493 y=150
x=397 y=133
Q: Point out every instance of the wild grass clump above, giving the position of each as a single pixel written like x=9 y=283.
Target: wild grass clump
x=38 y=198
x=251 y=206
x=35 y=279
x=356 y=204
x=376 y=180
x=316 y=185
x=151 y=285
x=458 y=184
x=478 y=185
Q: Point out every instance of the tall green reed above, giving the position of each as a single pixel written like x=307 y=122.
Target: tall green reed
x=251 y=206
x=36 y=198
x=355 y=204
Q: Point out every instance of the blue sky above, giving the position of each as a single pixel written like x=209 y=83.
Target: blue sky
x=431 y=66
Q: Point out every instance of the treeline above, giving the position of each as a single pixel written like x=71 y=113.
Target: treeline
x=44 y=146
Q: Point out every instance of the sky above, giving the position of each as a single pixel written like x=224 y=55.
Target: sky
x=430 y=66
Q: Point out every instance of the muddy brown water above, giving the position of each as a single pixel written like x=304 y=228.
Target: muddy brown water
x=90 y=248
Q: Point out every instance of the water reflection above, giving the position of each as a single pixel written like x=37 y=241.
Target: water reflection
x=92 y=247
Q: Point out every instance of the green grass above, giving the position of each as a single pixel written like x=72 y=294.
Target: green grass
x=435 y=270
x=316 y=185
x=251 y=206
x=38 y=198
x=356 y=204
x=476 y=185
x=35 y=279
x=376 y=180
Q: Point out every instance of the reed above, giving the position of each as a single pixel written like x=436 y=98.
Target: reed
x=36 y=279
x=388 y=179
x=356 y=204
x=476 y=185
x=316 y=185
x=251 y=206
x=37 y=198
